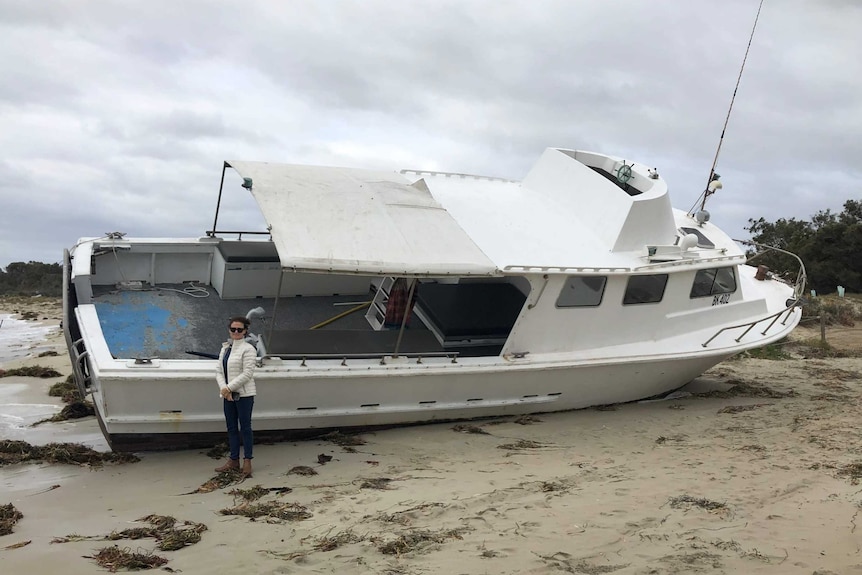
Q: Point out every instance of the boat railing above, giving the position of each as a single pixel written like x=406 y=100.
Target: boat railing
x=798 y=286
x=617 y=270
x=238 y=233
x=304 y=357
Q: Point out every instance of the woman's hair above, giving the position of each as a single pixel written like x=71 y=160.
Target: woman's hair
x=240 y=319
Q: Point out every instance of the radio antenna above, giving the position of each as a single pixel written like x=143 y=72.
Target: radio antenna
x=713 y=183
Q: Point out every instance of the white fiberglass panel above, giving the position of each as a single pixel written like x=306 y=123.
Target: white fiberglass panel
x=359 y=221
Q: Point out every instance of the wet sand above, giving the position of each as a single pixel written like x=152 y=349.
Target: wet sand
x=760 y=480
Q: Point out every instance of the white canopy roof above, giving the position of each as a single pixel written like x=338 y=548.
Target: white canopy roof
x=359 y=221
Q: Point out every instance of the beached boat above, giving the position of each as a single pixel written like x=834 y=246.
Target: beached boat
x=578 y=286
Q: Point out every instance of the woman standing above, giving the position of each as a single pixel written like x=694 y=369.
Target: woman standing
x=235 y=378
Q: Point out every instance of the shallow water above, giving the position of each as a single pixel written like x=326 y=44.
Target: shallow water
x=19 y=338
x=25 y=401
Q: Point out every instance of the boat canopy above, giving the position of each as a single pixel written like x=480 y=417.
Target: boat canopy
x=346 y=220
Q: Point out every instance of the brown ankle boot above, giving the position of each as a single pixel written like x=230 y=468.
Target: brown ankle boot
x=246 y=467
x=230 y=465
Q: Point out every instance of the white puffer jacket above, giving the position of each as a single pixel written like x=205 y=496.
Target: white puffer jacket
x=240 y=367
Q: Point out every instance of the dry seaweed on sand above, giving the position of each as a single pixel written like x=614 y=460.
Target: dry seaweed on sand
x=404 y=516
x=220 y=481
x=301 y=470
x=550 y=486
x=521 y=444
x=742 y=408
x=252 y=494
x=342 y=439
x=219 y=450
x=13 y=451
x=9 y=516
x=177 y=538
x=831 y=373
x=417 y=541
x=31 y=371
x=18 y=545
x=114 y=558
x=467 y=428
x=753 y=447
x=335 y=541
x=163 y=528
x=74 y=537
x=564 y=562
x=687 y=502
x=375 y=483
x=853 y=471
x=746 y=389
x=270 y=510
x=527 y=420
x=679 y=437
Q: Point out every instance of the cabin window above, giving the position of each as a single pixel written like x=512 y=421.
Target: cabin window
x=645 y=289
x=582 y=291
x=713 y=281
x=702 y=240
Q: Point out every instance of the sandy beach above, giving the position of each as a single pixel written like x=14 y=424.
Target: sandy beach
x=753 y=468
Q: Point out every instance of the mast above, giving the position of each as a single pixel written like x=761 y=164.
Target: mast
x=712 y=183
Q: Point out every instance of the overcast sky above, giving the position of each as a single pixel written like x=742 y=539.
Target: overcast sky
x=117 y=116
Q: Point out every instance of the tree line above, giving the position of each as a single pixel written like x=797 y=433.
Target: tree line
x=32 y=278
x=830 y=246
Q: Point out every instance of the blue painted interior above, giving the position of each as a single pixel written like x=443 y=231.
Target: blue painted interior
x=135 y=327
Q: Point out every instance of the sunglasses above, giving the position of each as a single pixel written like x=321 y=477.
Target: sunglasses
x=237 y=329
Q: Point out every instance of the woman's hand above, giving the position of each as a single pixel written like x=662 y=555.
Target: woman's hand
x=225 y=393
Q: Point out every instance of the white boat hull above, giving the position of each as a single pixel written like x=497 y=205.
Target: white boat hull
x=185 y=411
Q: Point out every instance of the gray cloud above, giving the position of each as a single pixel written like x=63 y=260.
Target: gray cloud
x=117 y=116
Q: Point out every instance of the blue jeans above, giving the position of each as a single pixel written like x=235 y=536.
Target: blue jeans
x=237 y=415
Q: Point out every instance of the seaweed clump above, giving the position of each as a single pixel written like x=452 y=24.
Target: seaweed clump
x=249 y=495
x=163 y=528
x=75 y=410
x=220 y=481
x=114 y=559
x=9 y=516
x=76 y=407
x=521 y=444
x=336 y=541
x=466 y=428
x=687 y=502
x=170 y=536
x=14 y=451
x=853 y=471
x=67 y=390
x=417 y=541
x=381 y=483
x=272 y=511
x=527 y=420
x=741 y=388
x=218 y=451
x=31 y=371
x=343 y=440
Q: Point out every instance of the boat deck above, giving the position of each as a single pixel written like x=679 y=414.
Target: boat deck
x=168 y=322
x=176 y=321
